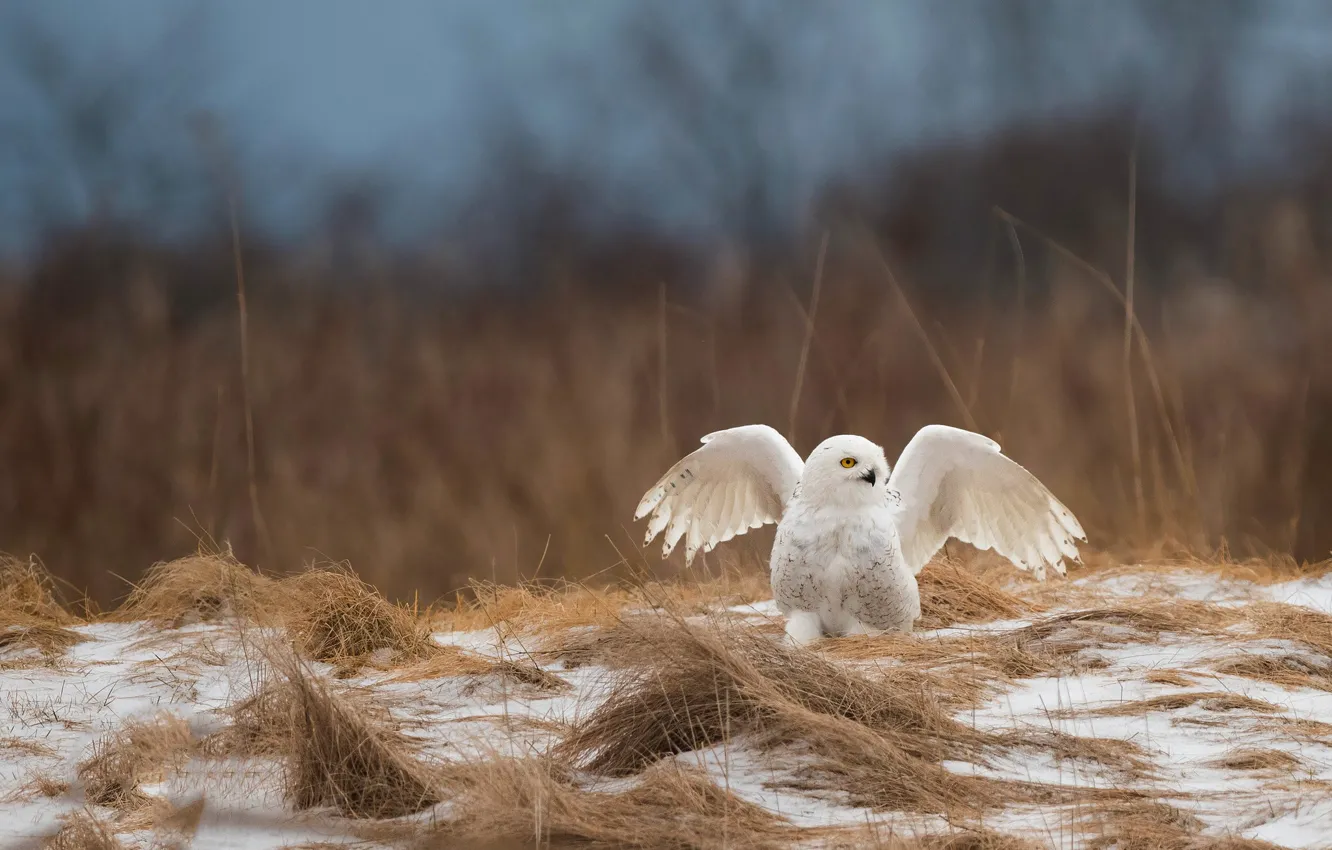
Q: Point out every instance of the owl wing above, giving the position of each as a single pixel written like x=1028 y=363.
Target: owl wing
x=955 y=483
x=738 y=479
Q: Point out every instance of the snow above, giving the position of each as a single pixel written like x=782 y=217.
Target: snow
x=51 y=714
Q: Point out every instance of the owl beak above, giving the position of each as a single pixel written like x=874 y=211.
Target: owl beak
x=869 y=476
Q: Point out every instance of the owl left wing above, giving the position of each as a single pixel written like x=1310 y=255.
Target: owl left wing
x=956 y=483
x=738 y=479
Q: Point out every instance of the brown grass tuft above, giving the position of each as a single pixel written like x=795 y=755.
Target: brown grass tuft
x=1256 y=758
x=1059 y=643
x=47 y=638
x=1280 y=621
x=342 y=755
x=1288 y=670
x=26 y=746
x=951 y=593
x=140 y=751
x=28 y=594
x=1206 y=700
x=338 y=618
x=1153 y=825
x=529 y=607
x=690 y=686
x=448 y=661
x=522 y=802
x=48 y=786
x=881 y=740
x=1174 y=678
x=551 y=608
x=958 y=839
x=261 y=724
x=204 y=586
x=82 y=831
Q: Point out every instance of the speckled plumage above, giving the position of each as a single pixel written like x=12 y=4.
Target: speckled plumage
x=843 y=564
x=851 y=537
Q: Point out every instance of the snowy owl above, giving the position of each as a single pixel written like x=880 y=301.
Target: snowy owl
x=851 y=538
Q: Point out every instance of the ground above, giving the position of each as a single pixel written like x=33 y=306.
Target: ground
x=1144 y=705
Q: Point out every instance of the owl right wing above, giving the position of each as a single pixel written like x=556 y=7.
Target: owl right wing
x=956 y=483
x=739 y=479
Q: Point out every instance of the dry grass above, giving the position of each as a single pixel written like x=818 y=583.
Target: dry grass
x=28 y=594
x=1174 y=678
x=1257 y=758
x=952 y=592
x=1279 y=621
x=1287 y=670
x=261 y=725
x=48 y=786
x=81 y=830
x=338 y=618
x=879 y=739
x=1061 y=643
x=449 y=661
x=26 y=746
x=205 y=586
x=46 y=638
x=554 y=607
x=138 y=752
x=1206 y=700
x=343 y=755
x=693 y=685
x=1153 y=825
x=877 y=838
x=521 y=802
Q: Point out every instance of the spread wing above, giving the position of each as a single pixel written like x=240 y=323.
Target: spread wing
x=955 y=483
x=739 y=479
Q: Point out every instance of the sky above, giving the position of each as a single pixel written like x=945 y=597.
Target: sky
x=686 y=117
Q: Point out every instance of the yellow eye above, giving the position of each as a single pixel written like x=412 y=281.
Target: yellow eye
x=848 y=462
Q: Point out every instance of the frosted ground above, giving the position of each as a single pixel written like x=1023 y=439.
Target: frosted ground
x=1222 y=690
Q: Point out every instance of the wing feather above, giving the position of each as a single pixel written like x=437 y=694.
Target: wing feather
x=738 y=479
x=956 y=483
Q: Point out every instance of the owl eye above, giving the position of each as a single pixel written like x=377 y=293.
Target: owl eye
x=848 y=462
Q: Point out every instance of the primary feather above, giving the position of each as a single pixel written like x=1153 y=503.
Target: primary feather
x=956 y=483
x=739 y=479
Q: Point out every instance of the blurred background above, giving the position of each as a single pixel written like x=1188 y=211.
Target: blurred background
x=502 y=262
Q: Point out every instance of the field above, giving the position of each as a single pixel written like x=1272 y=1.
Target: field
x=506 y=667
x=1168 y=704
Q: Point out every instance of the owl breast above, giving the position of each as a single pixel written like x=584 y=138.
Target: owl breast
x=847 y=569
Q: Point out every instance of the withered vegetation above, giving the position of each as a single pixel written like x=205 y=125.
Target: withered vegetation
x=507 y=802
x=261 y=724
x=138 y=752
x=554 y=607
x=1060 y=643
x=1174 y=678
x=1206 y=700
x=448 y=661
x=1296 y=623
x=342 y=754
x=47 y=639
x=336 y=617
x=82 y=830
x=1286 y=669
x=1257 y=758
x=202 y=587
x=28 y=594
x=880 y=739
x=1153 y=825
x=952 y=592
x=960 y=838
x=31 y=615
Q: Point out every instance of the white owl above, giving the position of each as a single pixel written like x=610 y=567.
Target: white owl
x=851 y=538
